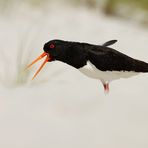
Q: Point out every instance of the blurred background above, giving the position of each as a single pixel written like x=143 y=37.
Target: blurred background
x=62 y=107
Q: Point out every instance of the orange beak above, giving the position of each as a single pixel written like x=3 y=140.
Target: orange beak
x=37 y=59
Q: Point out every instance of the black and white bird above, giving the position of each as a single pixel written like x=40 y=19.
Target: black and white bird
x=96 y=61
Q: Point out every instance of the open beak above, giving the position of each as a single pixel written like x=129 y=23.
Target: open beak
x=39 y=58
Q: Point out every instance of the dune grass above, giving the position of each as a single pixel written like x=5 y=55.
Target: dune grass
x=111 y=5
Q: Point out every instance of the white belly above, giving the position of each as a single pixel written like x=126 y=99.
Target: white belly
x=105 y=76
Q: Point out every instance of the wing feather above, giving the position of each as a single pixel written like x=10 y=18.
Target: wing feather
x=108 y=59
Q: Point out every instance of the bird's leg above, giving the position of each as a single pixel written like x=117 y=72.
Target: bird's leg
x=106 y=88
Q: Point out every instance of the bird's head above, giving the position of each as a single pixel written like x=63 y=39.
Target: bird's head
x=53 y=50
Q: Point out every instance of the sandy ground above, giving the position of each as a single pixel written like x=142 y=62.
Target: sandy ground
x=62 y=108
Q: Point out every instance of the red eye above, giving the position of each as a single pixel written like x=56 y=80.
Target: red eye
x=52 y=45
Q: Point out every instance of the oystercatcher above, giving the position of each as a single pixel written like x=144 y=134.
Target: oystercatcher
x=95 y=61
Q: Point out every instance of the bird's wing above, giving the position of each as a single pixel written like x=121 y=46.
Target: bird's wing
x=108 y=43
x=108 y=59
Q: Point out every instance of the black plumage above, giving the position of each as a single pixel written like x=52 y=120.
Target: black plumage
x=103 y=57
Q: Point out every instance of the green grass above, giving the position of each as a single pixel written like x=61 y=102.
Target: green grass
x=111 y=5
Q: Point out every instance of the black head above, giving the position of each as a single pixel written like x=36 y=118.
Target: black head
x=72 y=53
x=56 y=49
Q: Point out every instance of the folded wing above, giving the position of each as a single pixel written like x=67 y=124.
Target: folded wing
x=108 y=59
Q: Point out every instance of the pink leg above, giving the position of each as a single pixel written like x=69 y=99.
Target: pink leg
x=106 y=88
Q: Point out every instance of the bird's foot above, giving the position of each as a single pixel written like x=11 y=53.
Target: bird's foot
x=106 y=88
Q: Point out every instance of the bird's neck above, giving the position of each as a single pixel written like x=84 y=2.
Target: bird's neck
x=76 y=55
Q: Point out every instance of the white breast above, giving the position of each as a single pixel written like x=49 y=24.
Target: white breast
x=105 y=76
